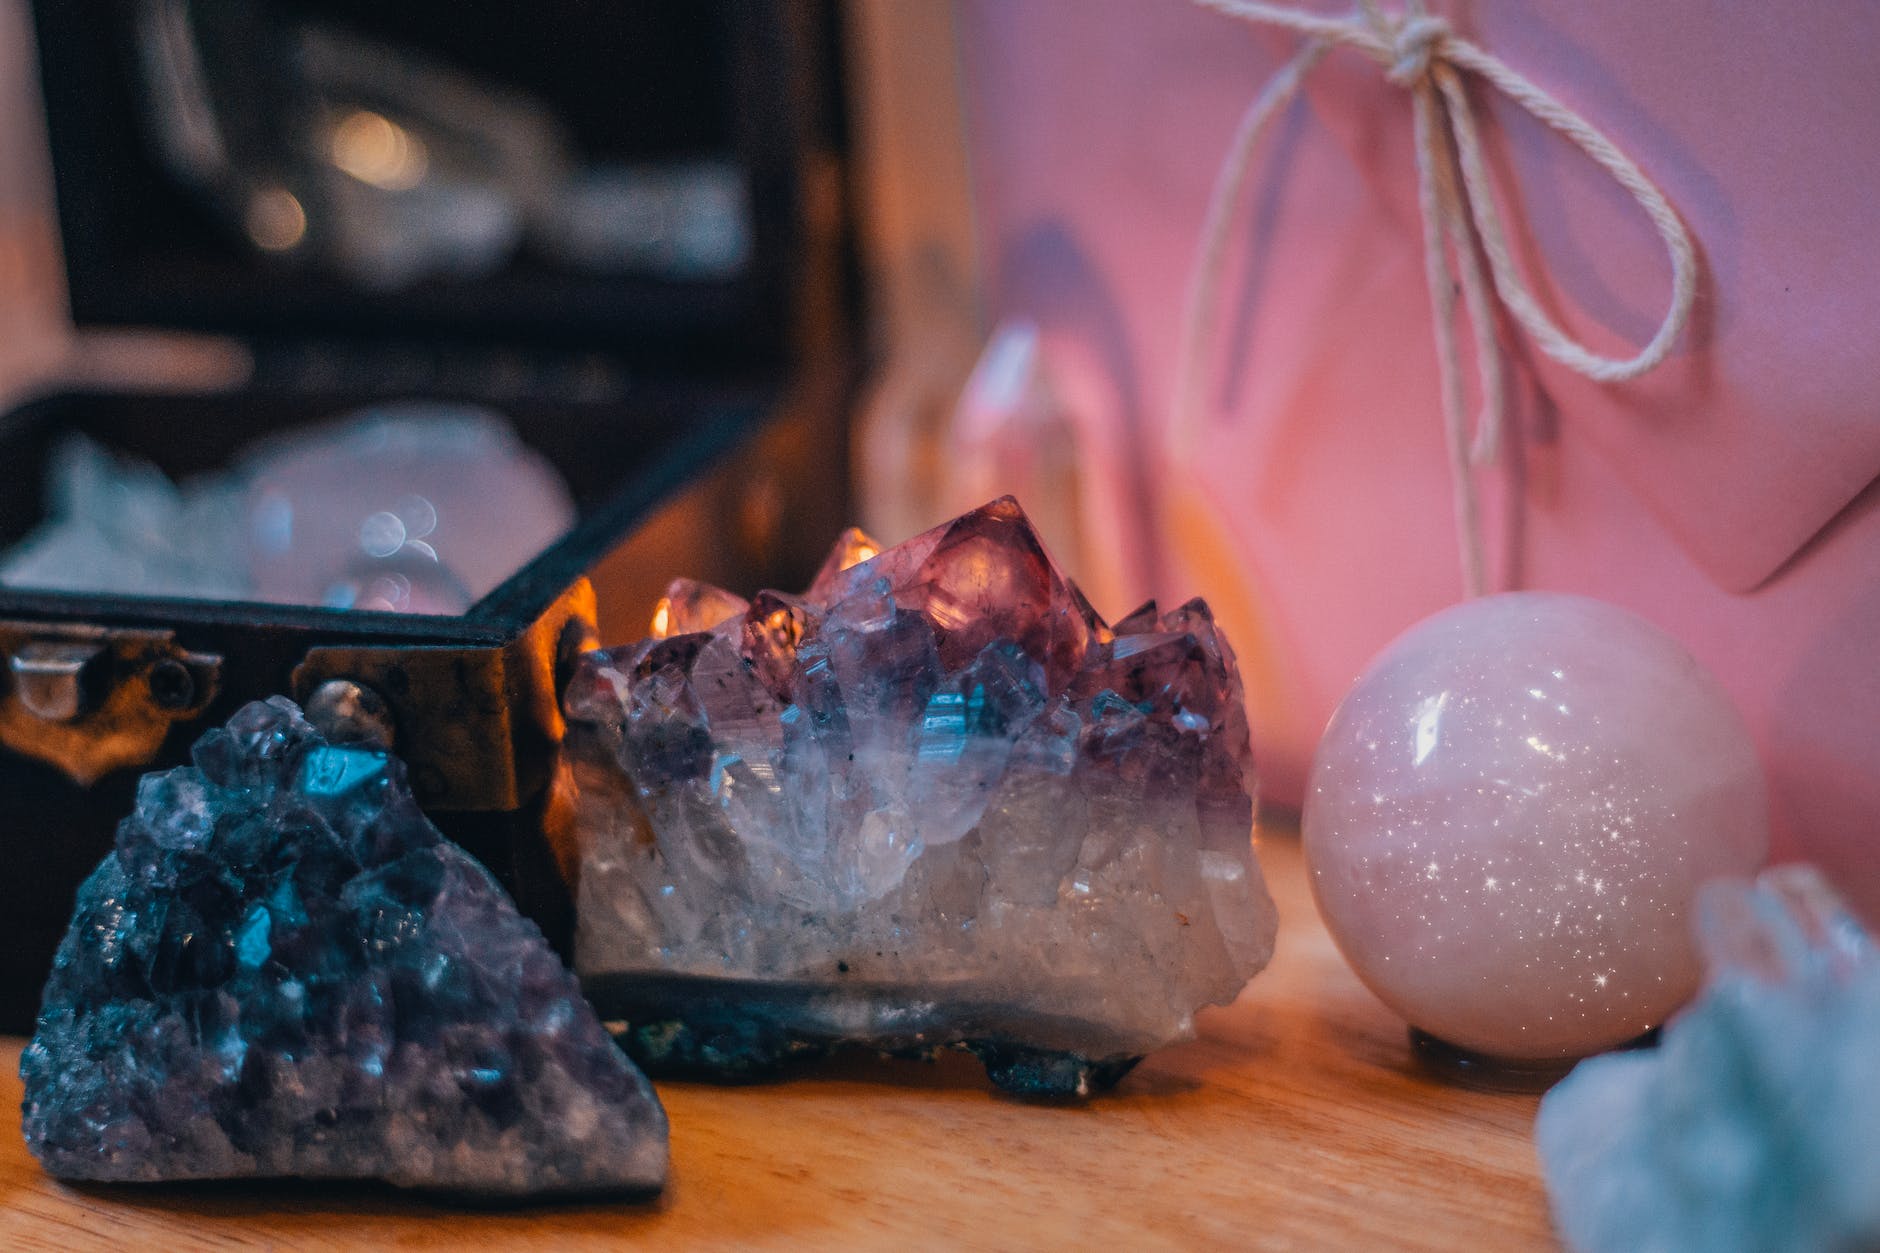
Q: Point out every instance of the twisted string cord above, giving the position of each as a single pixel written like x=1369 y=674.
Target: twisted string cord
x=1421 y=53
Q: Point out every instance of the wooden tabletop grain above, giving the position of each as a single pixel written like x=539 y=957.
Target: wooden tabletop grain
x=1298 y=1120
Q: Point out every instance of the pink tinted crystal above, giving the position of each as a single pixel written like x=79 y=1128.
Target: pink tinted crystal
x=1143 y=618
x=852 y=548
x=773 y=626
x=989 y=578
x=896 y=565
x=690 y=605
x=1789 y=923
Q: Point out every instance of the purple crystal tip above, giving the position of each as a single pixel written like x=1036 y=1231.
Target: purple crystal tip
x=935 y=799
x=283 y=969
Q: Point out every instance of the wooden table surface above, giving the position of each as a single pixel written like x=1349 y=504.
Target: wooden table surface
x=1297 y=1120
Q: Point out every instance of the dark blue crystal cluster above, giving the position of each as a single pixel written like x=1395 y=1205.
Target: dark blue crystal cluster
x=283 y=969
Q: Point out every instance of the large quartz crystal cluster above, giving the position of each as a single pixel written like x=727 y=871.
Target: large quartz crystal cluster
x=283 y=969
x=1755 y=1125
x=935 y=800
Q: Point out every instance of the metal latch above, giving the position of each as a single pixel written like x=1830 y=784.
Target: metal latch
x=477 y=726
x=91 y=700
x=49 y=677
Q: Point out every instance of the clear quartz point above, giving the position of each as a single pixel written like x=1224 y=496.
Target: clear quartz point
x=690 y=605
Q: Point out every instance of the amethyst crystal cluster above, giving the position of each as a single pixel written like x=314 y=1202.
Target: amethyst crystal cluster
x=283 y=969
x=936 y=800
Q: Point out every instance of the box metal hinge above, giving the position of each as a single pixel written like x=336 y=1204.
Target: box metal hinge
x=477 y=727
x=91 y=700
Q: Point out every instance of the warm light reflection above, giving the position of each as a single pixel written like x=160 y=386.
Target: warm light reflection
x=854 y=547
x=783 y=626
x=376 y=150
x=662 y=618
x=1545 y=749
x=275 y=222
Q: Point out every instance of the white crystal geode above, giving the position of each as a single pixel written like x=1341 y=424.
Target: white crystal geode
x=935 y=800
x=1755 y=1124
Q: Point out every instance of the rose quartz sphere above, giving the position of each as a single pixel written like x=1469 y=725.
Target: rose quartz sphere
x=1509 y=817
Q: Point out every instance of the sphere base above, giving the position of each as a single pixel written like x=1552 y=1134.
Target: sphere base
x=1485 y=1073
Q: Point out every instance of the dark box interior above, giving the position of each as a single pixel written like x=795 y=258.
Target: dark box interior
x=637 y=389
x=751 y=83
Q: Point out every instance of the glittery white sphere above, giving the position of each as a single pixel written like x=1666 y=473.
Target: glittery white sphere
x=1509 y=817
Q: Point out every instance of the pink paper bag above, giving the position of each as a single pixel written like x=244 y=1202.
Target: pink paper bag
x=1729 y=496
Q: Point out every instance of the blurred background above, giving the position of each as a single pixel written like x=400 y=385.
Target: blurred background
x=339 y=334
x=534 y=215
x=328 y=307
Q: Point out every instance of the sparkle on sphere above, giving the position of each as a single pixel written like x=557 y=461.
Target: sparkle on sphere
x=1510 y=815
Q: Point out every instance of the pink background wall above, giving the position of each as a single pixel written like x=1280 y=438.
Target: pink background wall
x=1729 y=497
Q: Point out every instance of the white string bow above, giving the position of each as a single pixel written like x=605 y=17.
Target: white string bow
x=1421 y=53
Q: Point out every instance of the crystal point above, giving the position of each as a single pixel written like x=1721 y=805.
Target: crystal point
x=690 y=606
x=935 y=801
x=989 y=578
x=894 y=565
x=852 y=548
x=283 y=969
x=773 y=627
x=1143 y=618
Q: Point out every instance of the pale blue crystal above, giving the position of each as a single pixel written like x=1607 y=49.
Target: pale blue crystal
x=1755 y=1124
